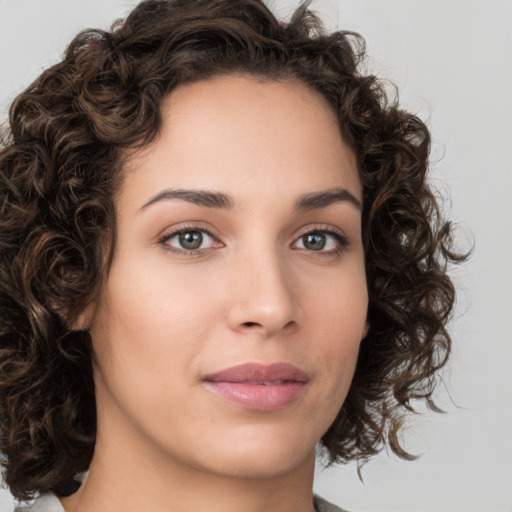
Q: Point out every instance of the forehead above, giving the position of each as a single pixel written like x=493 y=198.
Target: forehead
x=231 y=130
x=233 y=90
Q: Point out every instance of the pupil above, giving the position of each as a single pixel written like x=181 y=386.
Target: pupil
x=316 y=241
x=191 y=239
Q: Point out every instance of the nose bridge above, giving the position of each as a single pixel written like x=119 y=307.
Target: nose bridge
x=263 y=297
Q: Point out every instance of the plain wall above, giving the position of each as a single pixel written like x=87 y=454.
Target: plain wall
x=451 y=61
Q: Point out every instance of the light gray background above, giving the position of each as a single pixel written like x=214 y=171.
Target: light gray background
x=452 y=61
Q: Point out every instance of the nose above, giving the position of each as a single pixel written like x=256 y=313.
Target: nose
x=263 y=299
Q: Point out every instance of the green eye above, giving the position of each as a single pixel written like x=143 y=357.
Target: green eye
x=314 y=241
x=189 y=240
x=321 y=241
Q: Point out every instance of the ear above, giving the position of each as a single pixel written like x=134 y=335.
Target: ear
x=84 y=320
x=365 y=330
x=81 y=322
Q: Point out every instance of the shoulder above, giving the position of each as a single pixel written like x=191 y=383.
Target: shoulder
x=322 y=505
x=44 y=503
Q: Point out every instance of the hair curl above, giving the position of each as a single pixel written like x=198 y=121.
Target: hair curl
x=62 y=163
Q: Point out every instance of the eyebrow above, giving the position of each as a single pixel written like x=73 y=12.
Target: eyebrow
x=200 y=197
x=209 y=199
x=326 y=198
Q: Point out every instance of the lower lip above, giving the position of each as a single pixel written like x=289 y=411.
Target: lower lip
x=258 y=397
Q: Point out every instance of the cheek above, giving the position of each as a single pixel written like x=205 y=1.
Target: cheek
x=149 y=320
x=338 y=315
x=339 y=306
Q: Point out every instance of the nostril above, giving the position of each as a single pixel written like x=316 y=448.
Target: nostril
x=252 y=324
x=257 y=324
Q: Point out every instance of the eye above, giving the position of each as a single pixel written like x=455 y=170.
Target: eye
x=321 y=240
x=188 y=240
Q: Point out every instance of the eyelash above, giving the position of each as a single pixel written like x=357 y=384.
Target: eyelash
x=184 y=229
x=341 y=240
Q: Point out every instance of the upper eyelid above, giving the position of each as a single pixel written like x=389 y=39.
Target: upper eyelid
x=183 y=228
x=199 y=226
x=322 y=228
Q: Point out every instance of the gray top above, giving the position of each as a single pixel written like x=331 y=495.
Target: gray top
x=44 y=503
x=324 y=506
x=50 y=503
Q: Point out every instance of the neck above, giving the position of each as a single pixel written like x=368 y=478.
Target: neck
x=126 y=476
x=136 y=489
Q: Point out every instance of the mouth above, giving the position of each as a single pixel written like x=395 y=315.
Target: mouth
x=259 y=387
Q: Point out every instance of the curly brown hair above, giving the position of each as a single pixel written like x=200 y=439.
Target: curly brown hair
x=61 y=165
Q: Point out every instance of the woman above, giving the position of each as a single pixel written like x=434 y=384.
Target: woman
x=218 y=249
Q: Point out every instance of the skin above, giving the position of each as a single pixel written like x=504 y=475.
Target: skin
x=254 y=292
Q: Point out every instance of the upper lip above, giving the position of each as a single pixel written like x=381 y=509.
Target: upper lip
x=257 y=372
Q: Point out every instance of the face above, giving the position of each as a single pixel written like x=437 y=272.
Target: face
x=227 y=330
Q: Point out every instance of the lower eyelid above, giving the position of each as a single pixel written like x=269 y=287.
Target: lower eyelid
x=340 y=240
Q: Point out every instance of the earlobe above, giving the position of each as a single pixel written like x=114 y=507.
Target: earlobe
x=365 y=330
x=81 y=322
x=84 y=320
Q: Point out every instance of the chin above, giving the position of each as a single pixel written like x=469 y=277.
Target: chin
x=263 y=456
x=264 y=466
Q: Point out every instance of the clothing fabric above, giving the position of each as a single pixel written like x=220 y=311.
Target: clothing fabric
x=44 y=503
x=324 y=506
x=50 y=503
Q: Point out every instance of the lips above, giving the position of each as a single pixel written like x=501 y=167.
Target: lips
x=258 y=386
